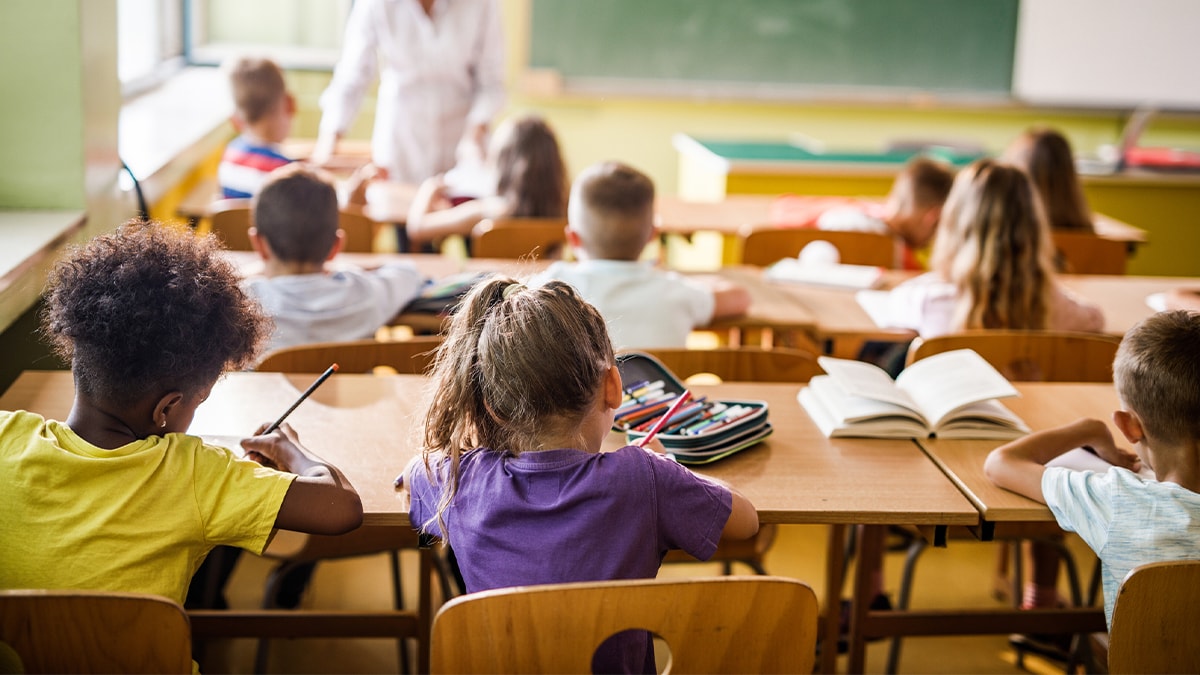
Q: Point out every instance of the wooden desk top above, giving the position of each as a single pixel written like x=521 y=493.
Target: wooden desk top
x=680 y=216
x=366 y=425
x=771 y=306
x=1042 y=406
x=1122 y=298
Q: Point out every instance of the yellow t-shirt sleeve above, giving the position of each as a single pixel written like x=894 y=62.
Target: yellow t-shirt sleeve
x=238 y=499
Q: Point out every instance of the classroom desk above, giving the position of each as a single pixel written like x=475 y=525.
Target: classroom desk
x=728 y=215
x=841 y=323
x=365 y=425
x=1167 y=204
x=772 y=307
x=1004 y=513
x=1042 y=405
x=386 y=202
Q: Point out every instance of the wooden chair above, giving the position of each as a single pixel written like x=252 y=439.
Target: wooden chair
x=1087 y=253
x=765 y=245
x=1154 y=620
x=75 y=631
x=715 y=625
x=746 y=365
x=358 y=356
x=231 y=218
x=741 y=364
x=359 y=230
x=519 y=238
x=409 y=357
x=1032 y=355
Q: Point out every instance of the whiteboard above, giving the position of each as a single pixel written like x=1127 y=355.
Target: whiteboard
x=1108 y=53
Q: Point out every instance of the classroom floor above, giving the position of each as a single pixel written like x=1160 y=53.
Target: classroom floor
x=957 y=576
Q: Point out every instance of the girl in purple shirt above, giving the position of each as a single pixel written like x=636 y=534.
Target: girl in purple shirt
x=511 y=473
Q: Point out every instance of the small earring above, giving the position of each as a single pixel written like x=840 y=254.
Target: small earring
x=164 y=424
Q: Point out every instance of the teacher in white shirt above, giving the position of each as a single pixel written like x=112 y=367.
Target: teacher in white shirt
x=441 y=81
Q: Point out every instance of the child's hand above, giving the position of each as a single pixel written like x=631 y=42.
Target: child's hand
x=277 y=450
x=1100 y=441
x=356 y=186
x=656 y=445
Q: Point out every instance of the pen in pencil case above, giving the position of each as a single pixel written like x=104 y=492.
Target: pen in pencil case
x=643 y=391
x=650 y=397
x=647 y=411
x=683 y=398
x=704 y=414
x=728 y=417
x=686 y=411
x=307 y=392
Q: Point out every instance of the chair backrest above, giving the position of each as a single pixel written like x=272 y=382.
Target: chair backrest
x=231 y=218
x=354 y=356
x=743 y=364
x=1032 y=355
x=763 y=246
x=359 y=230
x=1086 y=253
x=519 y=238
x=71 y=631
x=1154 y=620
x=711 y=625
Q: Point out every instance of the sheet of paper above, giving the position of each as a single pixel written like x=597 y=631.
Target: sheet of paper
x=1080 y=459
x=875 y=304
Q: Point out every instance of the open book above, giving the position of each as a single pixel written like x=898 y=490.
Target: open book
x=948 y=395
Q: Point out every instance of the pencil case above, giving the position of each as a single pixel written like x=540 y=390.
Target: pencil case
x=699 y=444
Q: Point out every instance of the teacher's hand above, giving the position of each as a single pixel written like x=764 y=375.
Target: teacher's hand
x=325 y=148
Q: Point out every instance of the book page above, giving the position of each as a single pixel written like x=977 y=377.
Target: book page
x=986 y=419
x=847 y=409
x=1081 y=459
x=943 y=383
x=867 y=380
x=887 y=426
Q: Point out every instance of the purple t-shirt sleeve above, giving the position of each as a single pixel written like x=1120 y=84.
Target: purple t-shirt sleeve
x=424 y=500
x=692 y=511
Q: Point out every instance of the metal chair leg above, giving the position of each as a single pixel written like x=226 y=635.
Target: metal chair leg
x=915 y=549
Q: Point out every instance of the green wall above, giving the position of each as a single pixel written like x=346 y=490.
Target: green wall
x=41 y=121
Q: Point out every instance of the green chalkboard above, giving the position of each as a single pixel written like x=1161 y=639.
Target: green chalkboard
x=776 y=47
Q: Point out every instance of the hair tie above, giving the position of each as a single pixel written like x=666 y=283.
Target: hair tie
x=511 y=288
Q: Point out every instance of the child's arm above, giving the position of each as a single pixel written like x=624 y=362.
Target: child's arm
x=730 y=299
x=320 y=500
x=743 y=518
x=431 y=216
x=355 y=190
x=1019 y=465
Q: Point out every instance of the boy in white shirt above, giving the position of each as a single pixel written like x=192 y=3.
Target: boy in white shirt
x=296 y=234
x=610 y=219
x=1127 y=520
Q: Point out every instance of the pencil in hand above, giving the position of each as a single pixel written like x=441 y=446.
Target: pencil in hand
x=683 y=398
x=307 y=392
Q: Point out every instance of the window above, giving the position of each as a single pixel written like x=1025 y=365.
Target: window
x=299 y=34
x=149 y=42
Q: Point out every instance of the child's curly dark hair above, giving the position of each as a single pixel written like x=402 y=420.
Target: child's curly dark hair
x=149 y=309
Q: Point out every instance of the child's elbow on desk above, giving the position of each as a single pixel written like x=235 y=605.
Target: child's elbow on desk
x=743 y=519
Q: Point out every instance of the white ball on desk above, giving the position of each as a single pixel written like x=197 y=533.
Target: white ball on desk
x=819 y=253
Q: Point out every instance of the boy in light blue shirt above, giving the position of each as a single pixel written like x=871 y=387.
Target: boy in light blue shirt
x=1126 y=519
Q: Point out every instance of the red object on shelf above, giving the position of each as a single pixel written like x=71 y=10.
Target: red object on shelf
x=1162 y=158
